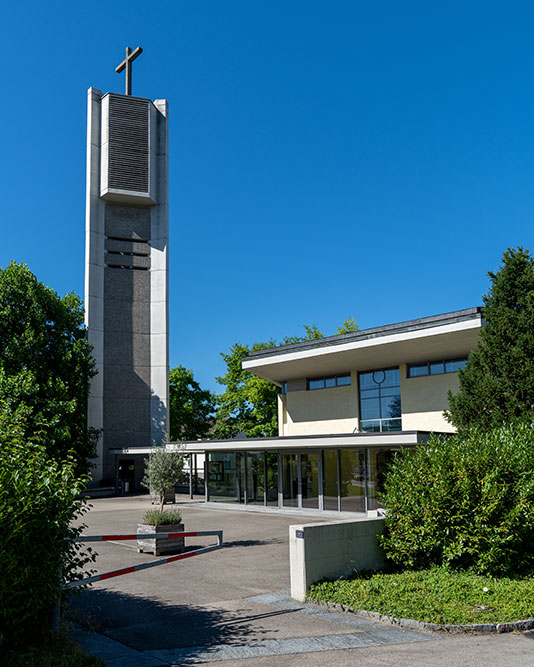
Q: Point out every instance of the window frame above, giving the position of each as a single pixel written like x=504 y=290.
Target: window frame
x=429 y=364
x=381 y=421
x=324 y=378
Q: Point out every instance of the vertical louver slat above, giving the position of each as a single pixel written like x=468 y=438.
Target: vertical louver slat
x=128 y=144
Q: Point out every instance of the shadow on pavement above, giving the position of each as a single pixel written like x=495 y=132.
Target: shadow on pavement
x=146 y=624
x=252 y=543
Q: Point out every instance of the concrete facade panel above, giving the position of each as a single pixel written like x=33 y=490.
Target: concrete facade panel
x=126 y=414
x=158 y=283
x=158 y=350
x=125 y=382
x=95 y=283
x=158 y=414
x=121 y=284
x=95 y=411
x=122 y=348
x=94 y=308
x=158 y=317
x=127 y=246
x=95 y=245
x=118 y=439
x=160 y=381
x=129 y=222
x=116 y=260
x=158 y=248
x=127 y=316
x=97 y=382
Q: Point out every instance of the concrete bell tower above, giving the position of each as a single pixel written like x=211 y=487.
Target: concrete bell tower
x=126 y=283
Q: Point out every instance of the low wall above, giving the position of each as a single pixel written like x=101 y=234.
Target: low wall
x=332 y=550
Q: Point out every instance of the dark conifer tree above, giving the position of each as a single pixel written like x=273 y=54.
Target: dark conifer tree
x=497 y=385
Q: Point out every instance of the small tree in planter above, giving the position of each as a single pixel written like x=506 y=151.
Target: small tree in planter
x=163 y=471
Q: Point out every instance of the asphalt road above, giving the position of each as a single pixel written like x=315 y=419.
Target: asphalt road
x=231 y=606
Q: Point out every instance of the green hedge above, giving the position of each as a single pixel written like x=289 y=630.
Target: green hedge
x=37 y=505
x=464 y=501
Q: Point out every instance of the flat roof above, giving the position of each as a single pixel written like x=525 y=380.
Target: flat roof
x=294 y=442
x=447 y=335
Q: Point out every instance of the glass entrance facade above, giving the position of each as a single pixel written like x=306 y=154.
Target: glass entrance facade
x=343 y=479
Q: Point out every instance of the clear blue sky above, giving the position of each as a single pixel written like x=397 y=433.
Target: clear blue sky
x=327 y=159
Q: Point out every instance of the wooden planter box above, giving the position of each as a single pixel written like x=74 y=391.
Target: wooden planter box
x=166 y=545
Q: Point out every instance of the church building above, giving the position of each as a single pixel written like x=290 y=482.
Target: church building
x=347 y=403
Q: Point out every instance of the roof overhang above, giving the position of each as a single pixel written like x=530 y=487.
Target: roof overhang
x=441 y=337
x=346 y=440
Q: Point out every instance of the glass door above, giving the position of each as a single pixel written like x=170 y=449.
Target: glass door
x=271 y=469
x=290 y=480
x=255 y=478
x=300 y=480
x=353 y=480
x=309 y=480
x=330 y=480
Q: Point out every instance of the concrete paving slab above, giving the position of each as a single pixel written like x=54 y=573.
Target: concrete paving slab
x=452 y=651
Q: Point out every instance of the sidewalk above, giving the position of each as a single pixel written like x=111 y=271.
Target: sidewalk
x=232 y=606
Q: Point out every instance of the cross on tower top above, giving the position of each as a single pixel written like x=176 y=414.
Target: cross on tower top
x=127 y=63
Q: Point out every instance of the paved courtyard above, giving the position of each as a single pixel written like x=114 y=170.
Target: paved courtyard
x=232 y=605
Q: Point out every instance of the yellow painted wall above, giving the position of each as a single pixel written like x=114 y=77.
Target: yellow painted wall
x=321 y=411
x=423 y=400
x=336 y=410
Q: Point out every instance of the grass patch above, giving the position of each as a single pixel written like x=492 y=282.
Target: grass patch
x=162 y=517
x=437 y=595
x=58 y=651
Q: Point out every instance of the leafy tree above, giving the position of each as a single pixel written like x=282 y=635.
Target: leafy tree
x=163 y=471
x=312 y=333
x=191 y=408
x=45 y=367
x=249 y=405
x=348 y=326
x=497 y=384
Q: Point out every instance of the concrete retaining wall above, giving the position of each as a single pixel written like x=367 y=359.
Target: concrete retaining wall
x=331 y=550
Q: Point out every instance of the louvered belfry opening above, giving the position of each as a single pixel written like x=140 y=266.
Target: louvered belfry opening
x=129 y=149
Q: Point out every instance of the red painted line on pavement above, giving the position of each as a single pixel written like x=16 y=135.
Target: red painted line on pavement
x=117 y=573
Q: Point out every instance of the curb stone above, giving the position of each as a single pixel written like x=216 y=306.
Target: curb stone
x=480 y=628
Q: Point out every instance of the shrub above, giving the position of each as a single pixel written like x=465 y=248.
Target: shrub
x=161 y=518
x=163 y=471
x=37 y=506
x=464 y=501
